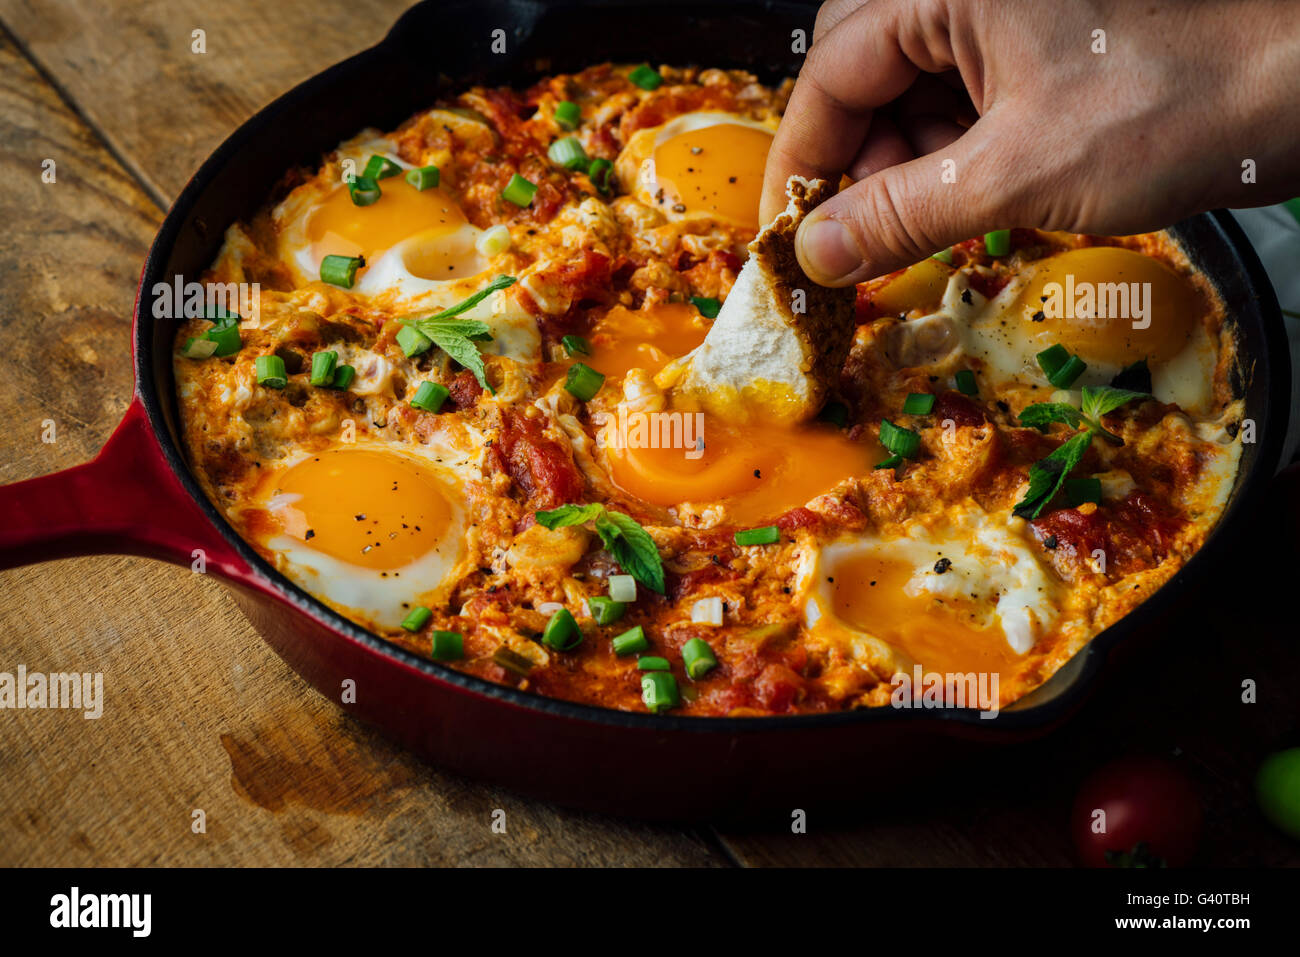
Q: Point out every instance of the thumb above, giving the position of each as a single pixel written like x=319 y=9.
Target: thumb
x=904 y=213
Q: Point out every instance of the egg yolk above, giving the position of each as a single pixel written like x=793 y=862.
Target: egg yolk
x=1110 y=304
x=338 y=227
x=363 y=507
x=758 y=472
x=940 y=634
x=716 y=170
x=647 y=338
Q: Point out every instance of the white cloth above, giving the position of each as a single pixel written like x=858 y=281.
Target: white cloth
x=1275 y=234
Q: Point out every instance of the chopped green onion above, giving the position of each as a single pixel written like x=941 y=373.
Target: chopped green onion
x=562 y=632
x=767 y=535
x=918 y=403
x=1060 y=367
x=364 y=191
x=568 y=152
x=519 y=191
x=659 y=691
x=583 y=381
x=836 y=413
x=606 y=611
x=343 y=376
x=413 y=341
x=340 y=270
x=630 y=642
x=1052 y=359
x=653 y=663
x=226 y=337
x=944 y=256
x=198 y=347
x=646 y=77
x=417 y=619
x=270 y=372
x=512 y=661
x=622 y=588
x=448 y=646
x=430 y=396
x=1080 y=490
x=322 y=368
x=380 y=167
x=426 y=177
x=900 y=441
x=998 y=242
x=576 y=346
x=567 y=115
x=599 y=172
x=1064 y=377
x=708 y=307
x=892 y=462
x=698 y=658
x=965 y=382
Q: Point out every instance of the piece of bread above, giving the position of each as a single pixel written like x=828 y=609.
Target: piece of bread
x=780 y=339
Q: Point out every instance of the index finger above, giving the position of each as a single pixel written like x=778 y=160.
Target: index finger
x=856 y=67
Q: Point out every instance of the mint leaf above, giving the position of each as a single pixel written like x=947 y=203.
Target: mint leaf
x=467 y=328
x=1047 y=474
x=460 y=348
x=569 y=515
x=1042 y=414
x=1099 y=400
x=456 y=337
x=629 y=543
x=501 y=282
x=633 y=547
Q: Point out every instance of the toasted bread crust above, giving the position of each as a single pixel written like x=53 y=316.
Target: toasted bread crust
x=825 y=325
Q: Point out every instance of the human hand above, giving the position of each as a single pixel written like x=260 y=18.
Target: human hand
x=956 y=117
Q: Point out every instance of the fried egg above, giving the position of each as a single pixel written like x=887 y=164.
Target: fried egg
x=1108 y=305
x=376 y=528
x=754 y=473
x=414 y=242
x=682 y=457
x=1077 y=298
x=970 y=597
x=699 y=165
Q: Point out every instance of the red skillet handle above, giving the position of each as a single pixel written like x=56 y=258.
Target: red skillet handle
x=124 y=501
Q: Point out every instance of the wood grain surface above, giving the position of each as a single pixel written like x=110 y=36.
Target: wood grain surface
x=201 y=716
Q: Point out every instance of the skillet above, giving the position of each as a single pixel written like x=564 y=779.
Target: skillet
x=138 y=497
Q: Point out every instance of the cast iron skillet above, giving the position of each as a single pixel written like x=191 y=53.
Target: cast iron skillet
x=138 y=497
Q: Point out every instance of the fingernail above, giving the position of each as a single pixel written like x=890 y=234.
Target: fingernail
x=827 y=250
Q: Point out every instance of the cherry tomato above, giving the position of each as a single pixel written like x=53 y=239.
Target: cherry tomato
x=1138 y=811
x=1277 y=788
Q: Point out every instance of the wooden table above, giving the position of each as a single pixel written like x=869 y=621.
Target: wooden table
x=201 y=715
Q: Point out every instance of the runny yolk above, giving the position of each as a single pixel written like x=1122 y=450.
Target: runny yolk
x=364 y=507
x=1120 y=282
x=940 y=634
x=646 y=338
x=338 y=227
x=758 y=472
x=716 y=169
